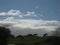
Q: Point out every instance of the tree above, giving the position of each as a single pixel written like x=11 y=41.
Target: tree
x=29 y=35
x=12 y=36
x=4 y=34
x=35 y=34
x=45 y=34
x=20 y=36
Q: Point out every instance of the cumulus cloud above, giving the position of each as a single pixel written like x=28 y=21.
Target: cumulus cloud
x=26 y=26
x=2 y=13
x=36 y=24
x=29 y=25
x=30 y=14
x=18 y=13
x=14 y=12
x=9 y=19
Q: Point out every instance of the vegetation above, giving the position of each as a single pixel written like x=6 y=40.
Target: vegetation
x=27 y=39
x=34 y=40
x=4 y=34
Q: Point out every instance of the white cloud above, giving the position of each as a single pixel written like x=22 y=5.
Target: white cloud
x=9 y=19
x=2 y=13
x=33 y=24
x=13 y=12
x=36 y=24
x=30 y=13
x=18 y=13
x=25 y=25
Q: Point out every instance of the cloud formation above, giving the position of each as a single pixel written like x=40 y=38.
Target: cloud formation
x=13 y=12
x=25 y=26
x=2 y=13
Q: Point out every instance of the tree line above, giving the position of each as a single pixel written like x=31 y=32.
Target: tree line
x=31 y=39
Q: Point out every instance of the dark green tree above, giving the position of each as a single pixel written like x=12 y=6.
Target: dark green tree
x=20 y=36
x=35 y=34
x=30 y=35
x=4 y=34
x=45 y=34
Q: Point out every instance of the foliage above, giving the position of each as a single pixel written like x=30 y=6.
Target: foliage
x=30 y=39
x=4 y=34
x=36 y=40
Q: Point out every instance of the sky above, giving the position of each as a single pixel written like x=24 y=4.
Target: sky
x=30 y=16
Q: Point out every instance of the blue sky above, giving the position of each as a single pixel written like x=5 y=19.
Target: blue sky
x=50 y=9
x=30 y=16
